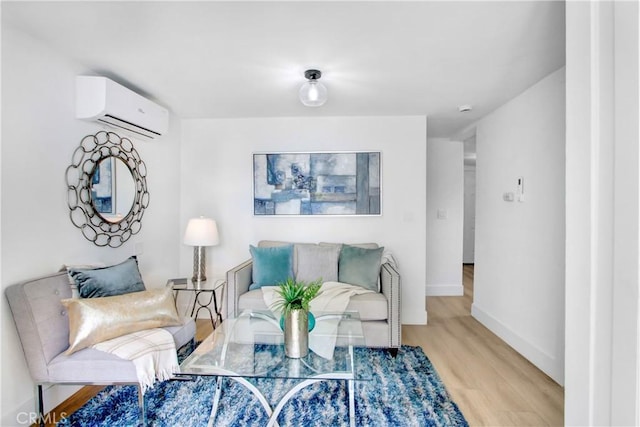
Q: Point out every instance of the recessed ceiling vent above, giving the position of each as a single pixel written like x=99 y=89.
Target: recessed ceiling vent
x=103 y=100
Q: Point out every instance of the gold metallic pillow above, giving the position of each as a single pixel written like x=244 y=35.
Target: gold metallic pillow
x=93 y=320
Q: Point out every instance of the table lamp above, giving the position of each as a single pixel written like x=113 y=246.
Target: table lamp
x=201 y=232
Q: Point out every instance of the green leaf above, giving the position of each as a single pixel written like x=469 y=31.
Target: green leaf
x=295 y=295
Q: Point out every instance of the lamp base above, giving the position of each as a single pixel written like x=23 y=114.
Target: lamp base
x=199 y=264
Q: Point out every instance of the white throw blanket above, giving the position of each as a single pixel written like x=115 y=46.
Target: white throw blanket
x=333 y=297
x=152 y=351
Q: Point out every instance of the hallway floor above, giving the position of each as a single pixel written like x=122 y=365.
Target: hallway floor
x=492 y=384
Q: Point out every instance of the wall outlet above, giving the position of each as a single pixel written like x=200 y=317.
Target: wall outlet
x=442 y=214
x=508 y=197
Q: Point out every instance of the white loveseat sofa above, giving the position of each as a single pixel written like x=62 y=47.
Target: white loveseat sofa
x=379 y=311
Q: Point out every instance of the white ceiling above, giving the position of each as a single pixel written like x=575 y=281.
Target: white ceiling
x=209 y=59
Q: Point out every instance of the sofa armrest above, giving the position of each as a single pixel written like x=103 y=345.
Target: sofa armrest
x=390 y=286
x=238 y=282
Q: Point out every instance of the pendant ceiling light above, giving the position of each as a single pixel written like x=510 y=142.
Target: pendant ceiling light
x=313 y=93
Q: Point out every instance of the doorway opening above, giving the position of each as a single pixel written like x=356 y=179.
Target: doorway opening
x=469 y=227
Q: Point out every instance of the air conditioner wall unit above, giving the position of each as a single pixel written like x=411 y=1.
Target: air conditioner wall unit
x=103 y=100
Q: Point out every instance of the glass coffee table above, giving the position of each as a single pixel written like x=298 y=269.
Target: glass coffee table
x=251 y=346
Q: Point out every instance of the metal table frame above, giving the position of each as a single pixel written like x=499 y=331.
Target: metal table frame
x=273 y=413
x=178 y=285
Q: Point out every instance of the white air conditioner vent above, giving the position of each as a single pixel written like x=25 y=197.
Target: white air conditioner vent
x=103 y=100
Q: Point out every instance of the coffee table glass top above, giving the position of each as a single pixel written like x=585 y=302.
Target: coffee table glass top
x=252 y=346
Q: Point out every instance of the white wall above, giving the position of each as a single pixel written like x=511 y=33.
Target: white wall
x=445 y=216
x=519 y=270
x=39 y=135
x=217 y=182
x=603 y=214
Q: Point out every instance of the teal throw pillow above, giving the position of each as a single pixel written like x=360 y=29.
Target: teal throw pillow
x=271 y=265
x=109 y=281
x=360 y=266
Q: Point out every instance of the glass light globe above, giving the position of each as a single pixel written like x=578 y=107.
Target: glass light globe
x=313 y=93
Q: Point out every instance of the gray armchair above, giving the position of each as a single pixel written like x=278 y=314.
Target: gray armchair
x=43 y=327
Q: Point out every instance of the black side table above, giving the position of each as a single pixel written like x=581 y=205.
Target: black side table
x=208 y=288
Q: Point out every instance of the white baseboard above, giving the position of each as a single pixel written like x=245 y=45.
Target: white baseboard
x=543 y=361
x=24 y=415
x=27 y=413
x=449 y=290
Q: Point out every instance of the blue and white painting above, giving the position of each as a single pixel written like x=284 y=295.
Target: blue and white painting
x=316 y=183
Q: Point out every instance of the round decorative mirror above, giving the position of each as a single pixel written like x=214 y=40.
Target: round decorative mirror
x=112 y=189
x=107 y=189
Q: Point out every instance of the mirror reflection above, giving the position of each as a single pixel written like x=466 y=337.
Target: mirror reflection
x=112 y=189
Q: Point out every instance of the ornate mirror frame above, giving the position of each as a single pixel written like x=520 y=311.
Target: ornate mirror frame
x=92 y=150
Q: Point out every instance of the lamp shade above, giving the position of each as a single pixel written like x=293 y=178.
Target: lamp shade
x=201 y=232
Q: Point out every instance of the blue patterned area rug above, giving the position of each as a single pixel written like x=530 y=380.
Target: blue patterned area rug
x=404 y=391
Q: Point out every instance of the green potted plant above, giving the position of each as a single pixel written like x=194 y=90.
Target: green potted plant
x=293 y=302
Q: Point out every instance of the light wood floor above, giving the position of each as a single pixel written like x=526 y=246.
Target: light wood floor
x=491 y=383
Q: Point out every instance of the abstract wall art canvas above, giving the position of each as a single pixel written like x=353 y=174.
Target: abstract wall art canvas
x=342 y=183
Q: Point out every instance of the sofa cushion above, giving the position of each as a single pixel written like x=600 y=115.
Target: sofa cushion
x=91 y=365
x=370 y=306
x=93 y=320
x=360 y=266
x=117 y=279
x=316 y=262
x=252 y=300
x=271 y=265
x=184 y=332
